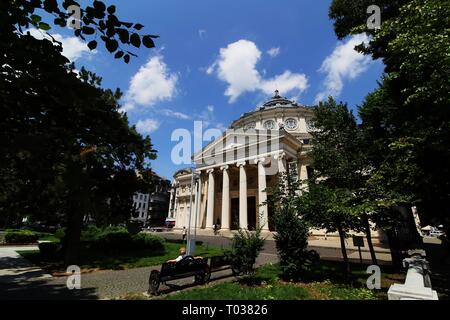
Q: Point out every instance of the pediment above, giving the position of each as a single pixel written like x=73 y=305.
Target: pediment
x=240 y=141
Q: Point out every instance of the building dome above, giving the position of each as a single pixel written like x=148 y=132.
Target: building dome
x=278 y=113
x=277 y=101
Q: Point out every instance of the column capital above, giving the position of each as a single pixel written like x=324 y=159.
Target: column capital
x=226 y=167
x=259 y=160
x=280 y=155
x=241 y=164
x=210 y=171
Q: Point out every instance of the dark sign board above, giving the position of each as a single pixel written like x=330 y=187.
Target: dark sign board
x=358 y=241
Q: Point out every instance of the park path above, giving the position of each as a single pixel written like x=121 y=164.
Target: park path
x=14 y=268
x=96 y=285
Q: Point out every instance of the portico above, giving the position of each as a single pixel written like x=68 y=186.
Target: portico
x=235 y=191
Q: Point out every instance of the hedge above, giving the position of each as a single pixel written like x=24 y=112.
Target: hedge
x=149 y=242
x=50 y=250
x=21 y=237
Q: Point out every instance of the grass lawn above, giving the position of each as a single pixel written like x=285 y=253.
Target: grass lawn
x=324 y=283
x=90 y=259
x=276 y=291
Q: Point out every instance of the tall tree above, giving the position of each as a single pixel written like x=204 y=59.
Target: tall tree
x=65 y=149
x=408 y=117
x=332 y=202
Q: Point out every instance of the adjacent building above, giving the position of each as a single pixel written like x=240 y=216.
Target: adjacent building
x=151 y=209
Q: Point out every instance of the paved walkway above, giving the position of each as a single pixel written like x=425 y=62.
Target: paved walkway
x=28 y=282
x=14 y=268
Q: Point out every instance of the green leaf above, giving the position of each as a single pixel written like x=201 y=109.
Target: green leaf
x=112 y=45
x=127 y=24
x=98 y=5
x=148 y=42
x=60 y=22
x=119 y=55
x=35 y=18
x=124 y=36
x=92 y=44
x=44 y=26
x=138 y=26
x=111 y=9
x=135 y=40
x=126 y=58
x=88 y=30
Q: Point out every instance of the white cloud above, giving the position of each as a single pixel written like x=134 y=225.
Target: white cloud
x=73 y=48
x=236 y=66
x=344 y=63
x=209 y=119
x=175 y=114
x=147 y=125
x=152 y=83
x=285 y=82
x=273 y=52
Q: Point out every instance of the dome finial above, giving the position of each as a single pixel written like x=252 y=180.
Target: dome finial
x=277 y=94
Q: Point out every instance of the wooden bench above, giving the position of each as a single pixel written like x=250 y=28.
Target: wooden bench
x=188 y=267
x=219 y=263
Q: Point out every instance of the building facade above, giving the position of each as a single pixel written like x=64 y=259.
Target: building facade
x=234 y=173
x=140 y=206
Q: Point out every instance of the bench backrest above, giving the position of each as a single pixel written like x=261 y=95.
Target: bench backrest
x=219 y=261
x=188 y=264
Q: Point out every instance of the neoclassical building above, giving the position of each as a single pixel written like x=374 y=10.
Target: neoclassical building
x=234 y=171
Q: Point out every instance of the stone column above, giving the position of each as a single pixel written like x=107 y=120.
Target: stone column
x=199 y=200
x=175 y=203
x=225 y=225
x=282 y=169
x=243 y=223
x=171 y=202
x=210 y=205
x=262 y=196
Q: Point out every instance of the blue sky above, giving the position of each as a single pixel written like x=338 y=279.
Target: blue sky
x=218 y=59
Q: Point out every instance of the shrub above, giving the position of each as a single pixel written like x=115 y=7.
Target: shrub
x=148 y=242
x=60 y=233
x=134 y=227
x=291 y=241
x=21 y=237
x=245 y=249
x=113 y=239
x=50 y=250
x=91 y=233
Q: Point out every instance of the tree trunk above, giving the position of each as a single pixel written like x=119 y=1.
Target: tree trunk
x=344 y=250
x=369 y=239
x=393 y=245
x=73 y=234
x=6 y=221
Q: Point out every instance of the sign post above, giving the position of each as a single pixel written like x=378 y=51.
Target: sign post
x=358 y=241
